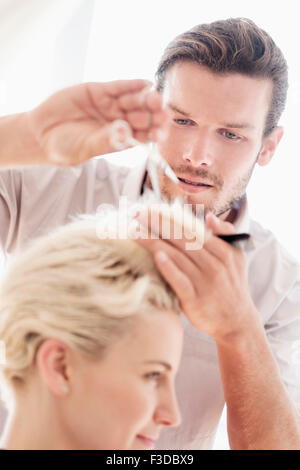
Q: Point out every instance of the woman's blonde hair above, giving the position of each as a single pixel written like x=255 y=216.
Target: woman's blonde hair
x=73 y=286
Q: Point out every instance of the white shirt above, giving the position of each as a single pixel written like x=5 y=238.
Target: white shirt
x=34 y=200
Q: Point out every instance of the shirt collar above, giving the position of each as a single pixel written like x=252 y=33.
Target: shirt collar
x=133 y=185
x=242 y=220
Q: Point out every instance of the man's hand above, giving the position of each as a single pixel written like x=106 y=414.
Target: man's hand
x=211 y=283
x=73 y=125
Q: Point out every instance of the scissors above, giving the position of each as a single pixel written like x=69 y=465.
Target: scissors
x=121 y=138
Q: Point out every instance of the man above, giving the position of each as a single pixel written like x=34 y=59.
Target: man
x=225 y=86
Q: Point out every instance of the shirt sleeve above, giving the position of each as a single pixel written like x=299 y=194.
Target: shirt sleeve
x=283 y=332
x=35 y=200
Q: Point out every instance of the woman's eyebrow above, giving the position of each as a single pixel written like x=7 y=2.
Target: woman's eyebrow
x=162 y=363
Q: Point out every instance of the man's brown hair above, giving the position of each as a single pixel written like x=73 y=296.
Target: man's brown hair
x=235 y=45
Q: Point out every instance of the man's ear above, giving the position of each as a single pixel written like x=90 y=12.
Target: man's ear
x=54 y=363
x=269 y=146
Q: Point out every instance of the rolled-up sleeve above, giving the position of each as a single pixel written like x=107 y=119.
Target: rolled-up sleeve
x=283 y=332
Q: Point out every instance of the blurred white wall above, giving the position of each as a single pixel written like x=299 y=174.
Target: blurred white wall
x=43 y=47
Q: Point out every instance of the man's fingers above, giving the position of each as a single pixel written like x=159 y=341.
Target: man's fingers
x=218 y=226
x=142 y=120
x=176 y=228
x=224 y=252
x=208 y=259
x=135 y=101
x=183 y=263
x=179 y=282
x=142 y=136
x=154 y=101
x=99 y=142
x=120 y=87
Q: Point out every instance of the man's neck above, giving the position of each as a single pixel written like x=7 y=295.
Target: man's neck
x=229 y=216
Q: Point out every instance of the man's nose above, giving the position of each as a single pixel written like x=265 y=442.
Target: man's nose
x=167 y=412
x=200 y=151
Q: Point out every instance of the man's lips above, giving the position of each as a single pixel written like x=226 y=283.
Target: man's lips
x=193 y=187
x=194 y=182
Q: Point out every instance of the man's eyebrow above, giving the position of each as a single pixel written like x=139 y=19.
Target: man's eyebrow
x=236 y=125
x=232 y=125
x=178 y=110
x=162 y=363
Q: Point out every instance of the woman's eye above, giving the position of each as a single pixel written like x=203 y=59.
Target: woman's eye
x=230 y=135
x=153 y=375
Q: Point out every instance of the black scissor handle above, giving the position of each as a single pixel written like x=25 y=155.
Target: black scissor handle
x=234 y=237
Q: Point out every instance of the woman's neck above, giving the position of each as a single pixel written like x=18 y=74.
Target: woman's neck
x=32 y=428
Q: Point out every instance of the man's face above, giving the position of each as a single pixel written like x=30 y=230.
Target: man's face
x=214 y=135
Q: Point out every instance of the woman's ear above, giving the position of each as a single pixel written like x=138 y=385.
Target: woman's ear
x=53 y=360
x=269 y=146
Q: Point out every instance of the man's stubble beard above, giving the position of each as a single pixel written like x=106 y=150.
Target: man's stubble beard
x=220 y=205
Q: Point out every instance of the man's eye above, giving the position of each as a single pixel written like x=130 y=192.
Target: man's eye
x=230 y=135
x=182 y=122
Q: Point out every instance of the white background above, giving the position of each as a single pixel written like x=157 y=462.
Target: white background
x=48 y=44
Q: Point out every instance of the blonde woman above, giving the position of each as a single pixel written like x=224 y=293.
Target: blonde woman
x=93 y=340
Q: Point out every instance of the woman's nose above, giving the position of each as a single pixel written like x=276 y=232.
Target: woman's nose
x=167 y=412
